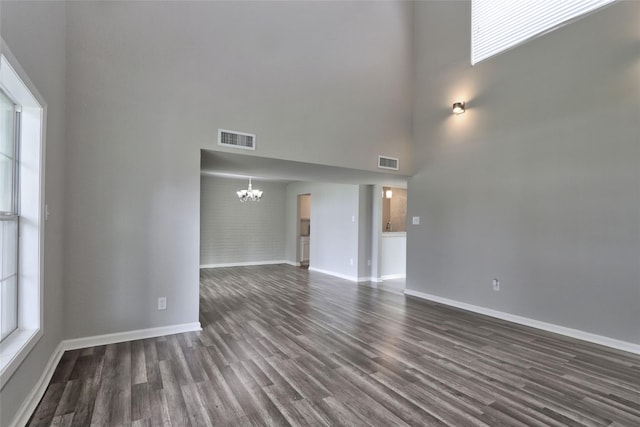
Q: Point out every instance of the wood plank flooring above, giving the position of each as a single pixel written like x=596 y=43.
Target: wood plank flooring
x=285 y=346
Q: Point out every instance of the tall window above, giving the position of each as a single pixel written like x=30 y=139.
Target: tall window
x=9 y=216
x=22 y=151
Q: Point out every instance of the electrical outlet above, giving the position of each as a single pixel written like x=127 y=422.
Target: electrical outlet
x=351 y=261
x=415 y=220
x=368 y=263
x=496 y=285
x=162 y=303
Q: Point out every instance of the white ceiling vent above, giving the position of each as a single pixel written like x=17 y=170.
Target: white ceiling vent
x=385 y=162
x=231 y=138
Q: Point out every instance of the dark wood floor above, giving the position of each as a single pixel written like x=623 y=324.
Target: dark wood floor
x=285 y=346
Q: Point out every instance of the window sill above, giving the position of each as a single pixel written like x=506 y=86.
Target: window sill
x=14 y=350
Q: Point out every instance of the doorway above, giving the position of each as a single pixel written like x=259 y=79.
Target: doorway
x=394 y=209
x=304 y=229
x=393 y=238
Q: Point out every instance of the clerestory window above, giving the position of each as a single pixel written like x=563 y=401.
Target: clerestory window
x=499 y=25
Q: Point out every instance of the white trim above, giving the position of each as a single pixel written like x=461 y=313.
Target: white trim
x=344 y=276
x=549 y=327
x=16 y=68
x=243 y=264
x=333 y=273
x=394 y=276
x=370 y=279
x=295 y=264
x=137 y=334
x=14 y=349
x=16 y=83
x=31 y=401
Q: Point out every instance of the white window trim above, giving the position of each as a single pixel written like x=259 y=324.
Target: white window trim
x=15 y=82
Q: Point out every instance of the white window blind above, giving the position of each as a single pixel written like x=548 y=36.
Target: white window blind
x=498 y=25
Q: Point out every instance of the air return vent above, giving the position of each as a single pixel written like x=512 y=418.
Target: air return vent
x=231 y=138
x=388 y=163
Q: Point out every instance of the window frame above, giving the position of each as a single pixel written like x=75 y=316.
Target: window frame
x=31 y=158
x=13 y=214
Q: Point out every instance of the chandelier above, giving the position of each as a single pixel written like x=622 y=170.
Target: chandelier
x=249 y=194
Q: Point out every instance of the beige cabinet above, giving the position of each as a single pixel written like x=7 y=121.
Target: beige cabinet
x=304 y=248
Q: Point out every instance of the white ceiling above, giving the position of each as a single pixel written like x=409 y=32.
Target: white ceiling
x=233 y=165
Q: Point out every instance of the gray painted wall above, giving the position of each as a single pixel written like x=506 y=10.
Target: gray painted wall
x=538 y=183
x=150 y=84
x=334 y=236
x=376 y=233
x=234 y=232
x=35 y=34
x=365 y=223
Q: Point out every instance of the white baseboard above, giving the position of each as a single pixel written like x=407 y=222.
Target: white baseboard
x=244 y=264
x=346 y=277
x=138 y=334
x=31 y=402
x=295 y=264
x=370 y=279
x=333 y=273
x=549 y=327
x=394 y=276
x=349 y=278
x=371 y=284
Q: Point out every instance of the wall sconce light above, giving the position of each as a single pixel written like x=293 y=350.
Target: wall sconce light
x=458 y=107
x=388 y=194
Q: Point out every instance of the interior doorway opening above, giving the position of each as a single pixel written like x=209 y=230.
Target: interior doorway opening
x=394 y=209
x=393 y=237
x=304 y=229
